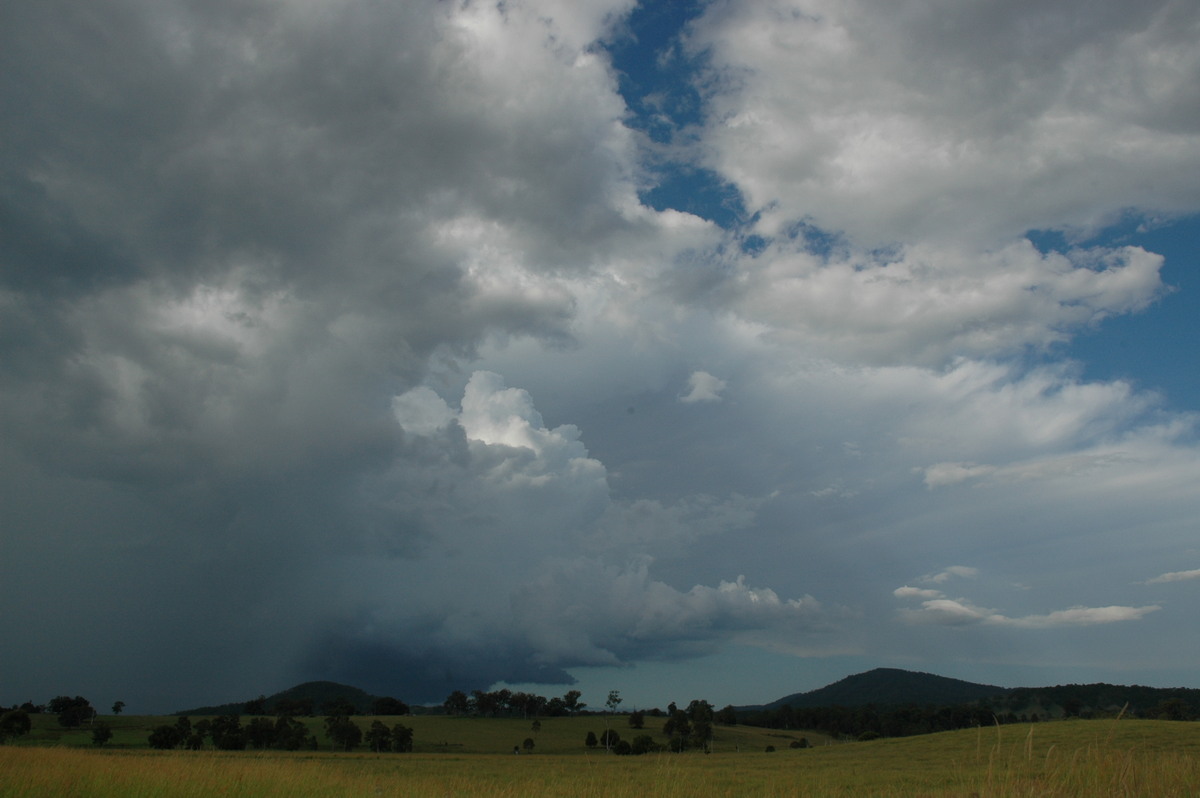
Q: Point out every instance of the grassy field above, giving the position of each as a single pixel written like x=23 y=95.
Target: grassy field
x=444 y=734
x=1075 y=758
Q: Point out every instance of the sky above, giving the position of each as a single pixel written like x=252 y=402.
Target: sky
x=692 y=350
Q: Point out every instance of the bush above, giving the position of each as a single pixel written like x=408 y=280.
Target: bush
x=164 y=738
x=101 y=733
x=14 y=723
x=644 y=744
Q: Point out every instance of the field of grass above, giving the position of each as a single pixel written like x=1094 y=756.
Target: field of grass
x=445 y=734
x=1075 y=758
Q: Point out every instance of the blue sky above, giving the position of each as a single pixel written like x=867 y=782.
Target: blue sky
x=712 y=349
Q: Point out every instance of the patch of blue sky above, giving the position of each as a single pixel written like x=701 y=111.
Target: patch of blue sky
x=655 y=74
x=656 y=78
x=1158 y=348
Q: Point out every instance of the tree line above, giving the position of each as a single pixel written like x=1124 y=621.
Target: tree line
x=506 y=703
x=872 y=720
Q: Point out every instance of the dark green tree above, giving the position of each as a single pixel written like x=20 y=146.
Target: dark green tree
x=258 y=706
x=117 y=707
x=528 y=745
x=590 y=741
x=260 y=733
x=379 y=737
x=402 y=739
x=344 y=732
x=457 y=703
x=14 y=723
x=637 y=719
x=571 y=701
x=101 y=733
x=71 y=712
x=643 y=744
x=290 y=734
x=164 y=737
x=227 y=733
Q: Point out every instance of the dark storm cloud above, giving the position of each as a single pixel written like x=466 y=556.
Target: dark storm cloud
x=300 y=303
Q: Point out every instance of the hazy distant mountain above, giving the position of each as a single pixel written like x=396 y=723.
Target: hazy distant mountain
x=318 y=693
x=884 y=686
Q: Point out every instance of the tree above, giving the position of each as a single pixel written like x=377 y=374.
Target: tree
x=528 y=745
x=227 y=733
x=571 y=701
x=117 y=707
x=614 y=699
x=536 y=726
x=14 y=723
x=258 y=706
x=101 y=733
x=609 y=738
x=457 y=703
x=679 y=728
x=727 y=716
x=164 y=737
x=71 y=712
x=643 y=744
x=402 y=739
x=590 y=741
x=260 y=733
x=379 y=737
x=290 y=735
x=637 y=719
x=343 y=732
x=1172 y=709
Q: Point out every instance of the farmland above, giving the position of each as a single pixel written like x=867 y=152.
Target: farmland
x=472 y=757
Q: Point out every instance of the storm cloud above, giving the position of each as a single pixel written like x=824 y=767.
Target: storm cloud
x=342 y=341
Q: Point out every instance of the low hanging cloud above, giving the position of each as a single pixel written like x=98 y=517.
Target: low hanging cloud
x=959 y=571
x=1174 y=576
x=523 y=514
x=703 y=387
x=937 y=609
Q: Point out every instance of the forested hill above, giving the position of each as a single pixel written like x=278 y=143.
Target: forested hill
x=890 y=686
x=310 y=695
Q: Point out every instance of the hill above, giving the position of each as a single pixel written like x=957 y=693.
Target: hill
x=314 y=694
x=890 y=686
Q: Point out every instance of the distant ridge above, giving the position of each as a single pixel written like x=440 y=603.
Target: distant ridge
x=890 y=686
x=317 y=692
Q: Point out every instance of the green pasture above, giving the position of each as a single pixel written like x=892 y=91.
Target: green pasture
x=1062 y=758
x=443 y=734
